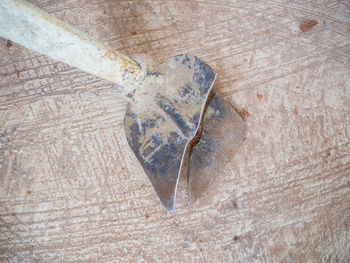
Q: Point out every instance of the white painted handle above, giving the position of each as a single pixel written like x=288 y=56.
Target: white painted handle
x=35 y=29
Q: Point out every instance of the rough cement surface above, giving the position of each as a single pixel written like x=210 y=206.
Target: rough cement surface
x=71 y=189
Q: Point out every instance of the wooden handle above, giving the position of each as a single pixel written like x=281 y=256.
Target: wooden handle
x=35 y=29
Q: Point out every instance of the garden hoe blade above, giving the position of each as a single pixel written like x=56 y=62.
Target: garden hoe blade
x=165 y=117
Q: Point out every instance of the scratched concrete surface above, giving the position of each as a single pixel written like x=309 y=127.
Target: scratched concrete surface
x=71 y=189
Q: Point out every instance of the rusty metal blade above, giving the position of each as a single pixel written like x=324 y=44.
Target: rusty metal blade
x=223 y=131
x=166 y=117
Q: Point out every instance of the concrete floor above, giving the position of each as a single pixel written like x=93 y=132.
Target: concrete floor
x=72 y=190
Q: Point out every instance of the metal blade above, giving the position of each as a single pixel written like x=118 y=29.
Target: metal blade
x=165 y=117
x=223 y=131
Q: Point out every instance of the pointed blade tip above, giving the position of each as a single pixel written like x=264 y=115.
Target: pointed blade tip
x=168 y=206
